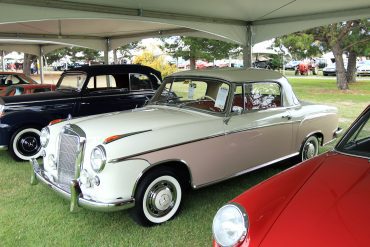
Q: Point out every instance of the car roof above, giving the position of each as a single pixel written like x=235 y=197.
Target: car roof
x=234 y=74
x=116 y=68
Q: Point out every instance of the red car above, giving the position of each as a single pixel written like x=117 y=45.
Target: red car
x=21 y=89
x=323 y=201
x=14 y=78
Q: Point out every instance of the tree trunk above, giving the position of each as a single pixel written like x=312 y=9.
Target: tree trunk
x=192 y=62
x=351 y=68
x=27 y=60
x=342 y=82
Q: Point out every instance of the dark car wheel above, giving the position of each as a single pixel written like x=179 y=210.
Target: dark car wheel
x=157 y=198
x=310 y=148
x=25 y=144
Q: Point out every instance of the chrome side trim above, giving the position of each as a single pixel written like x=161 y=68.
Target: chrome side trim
x=3 y=147
x=188 y=142
x=77 y=197
x=162 y=148
x=246 y=171
x=40 y=101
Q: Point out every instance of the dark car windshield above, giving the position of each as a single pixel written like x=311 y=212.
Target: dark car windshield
x=196 y=93
x=357 y=140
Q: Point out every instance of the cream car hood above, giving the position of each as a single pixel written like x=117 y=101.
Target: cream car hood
x=158 y=127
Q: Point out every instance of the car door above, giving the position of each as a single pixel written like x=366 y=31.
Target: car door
x=262 y=130
x=109 y=93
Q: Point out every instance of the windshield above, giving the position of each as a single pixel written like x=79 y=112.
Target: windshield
x=357 y=140
x=72 y=81
x=200 y=94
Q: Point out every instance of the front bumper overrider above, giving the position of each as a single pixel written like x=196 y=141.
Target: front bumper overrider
x=75 y=196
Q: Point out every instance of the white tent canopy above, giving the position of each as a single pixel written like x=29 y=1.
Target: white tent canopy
x=108 y=24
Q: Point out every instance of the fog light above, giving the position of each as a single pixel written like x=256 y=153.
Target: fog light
x=85 y=179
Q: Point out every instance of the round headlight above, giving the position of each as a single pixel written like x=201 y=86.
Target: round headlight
x=98 y=158
x=230 y=225
x=44 y=136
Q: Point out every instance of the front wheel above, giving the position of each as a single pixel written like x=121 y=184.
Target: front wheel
x=158 y=198
x=25 y=144
x=310 y=148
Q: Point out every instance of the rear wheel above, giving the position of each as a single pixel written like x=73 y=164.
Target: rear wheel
x=310 y=148
x=158 y=198
x=25 y=144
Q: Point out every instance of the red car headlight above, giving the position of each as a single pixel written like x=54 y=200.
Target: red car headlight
x=230 y=225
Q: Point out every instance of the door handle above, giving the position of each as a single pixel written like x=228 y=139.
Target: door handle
x=287 y=117
x=85 y=103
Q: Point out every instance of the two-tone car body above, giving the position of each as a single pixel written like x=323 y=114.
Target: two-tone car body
x=323 y=201
x=201 y=127
x=82 y=91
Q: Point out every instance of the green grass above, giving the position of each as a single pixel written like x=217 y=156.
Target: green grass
x=36 y=216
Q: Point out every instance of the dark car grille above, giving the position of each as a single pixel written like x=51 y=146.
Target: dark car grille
x=70 y=148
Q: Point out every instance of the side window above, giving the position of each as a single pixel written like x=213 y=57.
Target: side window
x=102 y=82
x=140 y=82
x=238 y=97
x=262 y=95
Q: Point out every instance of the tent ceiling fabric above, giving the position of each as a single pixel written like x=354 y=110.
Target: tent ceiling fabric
x=90 y=22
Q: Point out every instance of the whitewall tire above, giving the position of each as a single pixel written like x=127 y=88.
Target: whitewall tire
x=158 y=198
x=25 y=144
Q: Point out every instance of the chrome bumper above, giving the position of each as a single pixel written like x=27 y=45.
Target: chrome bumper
x=338 y=132
x=75 y=197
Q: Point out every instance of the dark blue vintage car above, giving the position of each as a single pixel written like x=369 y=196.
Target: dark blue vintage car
x=82 y=91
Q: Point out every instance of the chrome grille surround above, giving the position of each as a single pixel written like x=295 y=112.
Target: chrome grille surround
x=71 y=148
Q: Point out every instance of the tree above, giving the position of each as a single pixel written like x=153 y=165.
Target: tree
x=147 y=58
x=126 y=50
x=350 y=37
x=28 y=59
x=75 y=53
x=300 y=45
x=198 y=48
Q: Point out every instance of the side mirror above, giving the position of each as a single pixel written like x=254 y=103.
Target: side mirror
x=237 y=109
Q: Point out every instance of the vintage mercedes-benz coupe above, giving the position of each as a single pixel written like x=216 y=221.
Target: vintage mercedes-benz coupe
x=201 y=127
x=321 y=202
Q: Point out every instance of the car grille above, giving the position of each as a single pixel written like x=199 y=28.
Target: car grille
x=69 y=157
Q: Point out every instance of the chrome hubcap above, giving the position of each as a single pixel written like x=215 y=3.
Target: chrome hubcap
x=161 y=198
x=310 y=151
x=28 y=144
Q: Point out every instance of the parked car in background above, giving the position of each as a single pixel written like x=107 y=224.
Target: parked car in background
x=363 y=68
x=200 y=128
x=82 y=91
x=21 y=89
x=292 y=65
x=321 y=202
x=14 y=78
x=329 y=70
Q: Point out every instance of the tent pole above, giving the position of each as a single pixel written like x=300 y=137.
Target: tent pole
x=41 y=64
x=106 y=51
x=3 y=60
x=106 y=57
x=247 y=49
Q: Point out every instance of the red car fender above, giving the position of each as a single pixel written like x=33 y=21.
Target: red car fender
x=281 y=189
